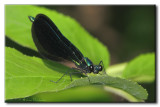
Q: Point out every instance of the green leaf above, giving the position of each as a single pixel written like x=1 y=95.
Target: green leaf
x=18 y=28
x=141 y=69
x=77 y=94
x=26 y=76
x=127 y=86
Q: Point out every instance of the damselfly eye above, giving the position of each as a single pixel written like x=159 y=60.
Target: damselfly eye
x=100 y=68
x=91 y=68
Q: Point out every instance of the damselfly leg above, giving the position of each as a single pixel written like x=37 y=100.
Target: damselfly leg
x=70 y=73
x=101 y=63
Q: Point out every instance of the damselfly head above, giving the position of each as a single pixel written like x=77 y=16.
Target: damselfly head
x=97 y=68
x=93 y=68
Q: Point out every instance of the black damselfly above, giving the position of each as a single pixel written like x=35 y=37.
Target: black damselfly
x=51 y=43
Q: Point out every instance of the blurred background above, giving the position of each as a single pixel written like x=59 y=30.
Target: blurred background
x=126 y=30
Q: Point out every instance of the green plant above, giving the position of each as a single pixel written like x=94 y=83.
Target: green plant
x=27 y=78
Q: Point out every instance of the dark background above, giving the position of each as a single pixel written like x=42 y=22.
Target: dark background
x=127 y=31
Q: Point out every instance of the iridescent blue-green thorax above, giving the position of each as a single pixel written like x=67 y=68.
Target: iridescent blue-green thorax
x=88 y=62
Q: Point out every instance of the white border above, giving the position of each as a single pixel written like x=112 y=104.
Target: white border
x=117 y=2
x=70 y=2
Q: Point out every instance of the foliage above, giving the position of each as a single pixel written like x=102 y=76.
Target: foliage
x=28 y=78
